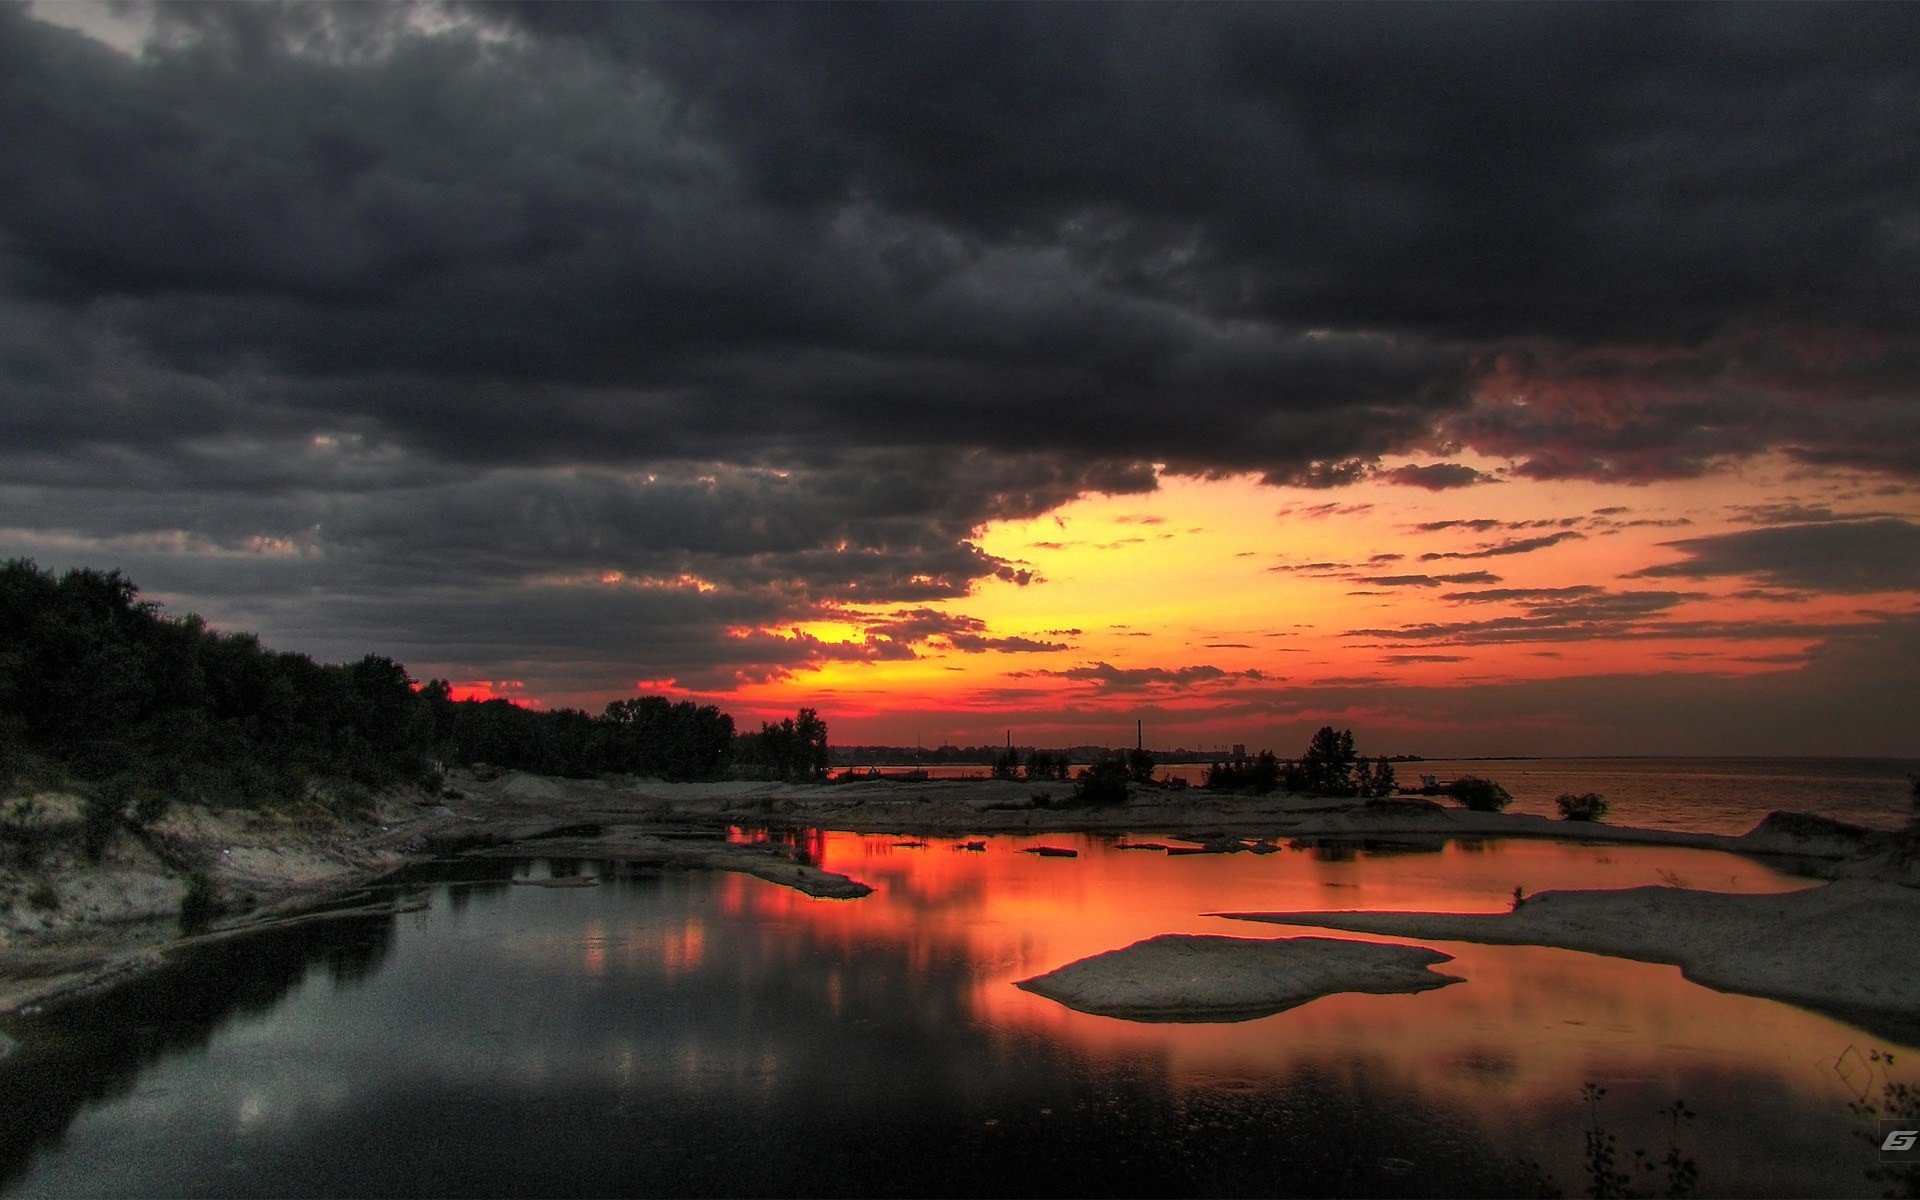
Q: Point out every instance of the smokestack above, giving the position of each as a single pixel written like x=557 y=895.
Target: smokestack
x=1139 y=733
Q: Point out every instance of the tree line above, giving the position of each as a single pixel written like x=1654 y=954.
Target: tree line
x=98 y=685
x=1329 y=766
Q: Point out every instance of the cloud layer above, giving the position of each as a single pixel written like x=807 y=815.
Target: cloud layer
x=599 y=342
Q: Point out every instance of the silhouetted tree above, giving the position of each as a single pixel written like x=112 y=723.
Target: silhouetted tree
x=1374 y=778
x=1006 y=764
x=97 y=683
x=796 y=748
x=1327 y=765
x=1104 y=782
x=1044 y=766
x=1140 y=765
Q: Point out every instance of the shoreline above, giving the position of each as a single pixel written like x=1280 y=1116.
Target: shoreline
x=1845 y=950
x=277 y=871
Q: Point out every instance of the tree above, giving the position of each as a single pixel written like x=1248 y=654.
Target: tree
x=1375 y=778
x=796 y=748
x=1140 y=765
x=1006 y=764
x=1266 y=772
x=1327 y=765
x=1105 y=782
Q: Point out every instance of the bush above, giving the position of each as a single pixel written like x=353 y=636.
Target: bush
x=1587 y=806
x=1140 y=765
x=100 y=816
x=44 y=896
x=1105 y=782
x=201 y=903
x=1007 y=765
x=1261 y=774
x=1480 y=795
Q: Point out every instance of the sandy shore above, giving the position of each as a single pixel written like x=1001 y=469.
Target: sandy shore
x=120 y=916
x=1848 y=949
x=1196 y=977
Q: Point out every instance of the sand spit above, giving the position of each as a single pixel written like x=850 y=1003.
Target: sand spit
x=644 y=847
x=1198 y=977
x=1848 y=949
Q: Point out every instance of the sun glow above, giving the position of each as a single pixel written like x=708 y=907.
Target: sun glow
x=1206 y=600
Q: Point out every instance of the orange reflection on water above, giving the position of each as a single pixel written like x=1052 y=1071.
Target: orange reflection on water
x=1529 y=1025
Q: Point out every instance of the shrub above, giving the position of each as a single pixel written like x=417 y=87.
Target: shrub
x=1007 y=765
x=1587 y=806
x=1140 y=765
x=1261 y=774
x=99 y=817
x=201 y=903
x=149 y=805
x=1105 y=782
x=1480 y=795
x=43 y=896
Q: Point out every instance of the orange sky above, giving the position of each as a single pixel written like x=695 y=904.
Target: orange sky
x=1221 y=606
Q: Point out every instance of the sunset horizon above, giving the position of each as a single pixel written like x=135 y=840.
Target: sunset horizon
x=1484 y=427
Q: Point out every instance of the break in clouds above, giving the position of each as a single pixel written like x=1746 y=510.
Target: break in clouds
x=582 y=341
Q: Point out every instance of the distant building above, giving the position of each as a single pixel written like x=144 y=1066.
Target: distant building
x=1239 y=749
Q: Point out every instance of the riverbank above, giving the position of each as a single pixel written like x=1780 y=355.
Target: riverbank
x=69 y=925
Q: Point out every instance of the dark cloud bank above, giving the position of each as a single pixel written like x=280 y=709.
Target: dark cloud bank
x=388 y=326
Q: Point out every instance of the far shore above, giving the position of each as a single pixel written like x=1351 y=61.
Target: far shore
x=121 y=916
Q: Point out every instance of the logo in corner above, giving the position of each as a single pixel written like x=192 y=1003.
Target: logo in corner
x=1900 y=1141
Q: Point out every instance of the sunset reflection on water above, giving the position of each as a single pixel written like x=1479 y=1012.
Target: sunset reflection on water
x=616 y=1039
x=1525 y=1030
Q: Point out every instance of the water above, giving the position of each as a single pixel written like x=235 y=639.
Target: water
x=1707 y=795
x=700 y=1034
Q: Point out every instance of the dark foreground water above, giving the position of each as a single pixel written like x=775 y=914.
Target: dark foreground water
x=701 y=1034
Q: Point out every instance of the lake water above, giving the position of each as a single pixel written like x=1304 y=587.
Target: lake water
x=710 y=1034
x=1708 y=795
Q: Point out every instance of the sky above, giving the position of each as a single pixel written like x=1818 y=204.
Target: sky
x=1488 y=379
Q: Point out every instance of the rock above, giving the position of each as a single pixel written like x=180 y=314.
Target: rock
x=1200 y=977
x=973 y=845
x=1051 y=852
x=1846 y=949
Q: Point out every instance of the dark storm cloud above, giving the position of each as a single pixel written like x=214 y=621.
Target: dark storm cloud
x=1425 y=580
x=963 y=633
x=1503 y=595
x=1110 y=678
x=1846 y=557
x=354 y=320
x=1435 y=477
x=1503 y=549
